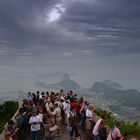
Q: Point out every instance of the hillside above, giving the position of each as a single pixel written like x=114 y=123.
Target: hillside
x=114 y=91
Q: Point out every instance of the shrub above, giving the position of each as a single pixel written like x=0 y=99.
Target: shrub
x=7 y=110
x=130 y=129
x=127 y=128
x=2 y=123
x=103 y=113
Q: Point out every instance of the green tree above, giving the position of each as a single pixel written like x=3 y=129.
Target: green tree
x=7 y=110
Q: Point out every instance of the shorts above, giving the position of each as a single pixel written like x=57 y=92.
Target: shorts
x=88 y=124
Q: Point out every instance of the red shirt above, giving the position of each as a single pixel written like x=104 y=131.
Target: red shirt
x=75 y=105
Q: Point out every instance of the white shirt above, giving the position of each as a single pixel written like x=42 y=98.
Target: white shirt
x=67 y=110
x=62 y=98
x=89 y=114
x=96 y=128
x=35 y=119
x=41 y=115
x=115 y=133
x=66 y=107
x=64 y=104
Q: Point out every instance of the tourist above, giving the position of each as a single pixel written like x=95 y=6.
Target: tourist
x=35 y=122
x=89 y=120
x=37 y=96
x=82 y=113
x=20 y=118
x=11 y=130
x=49 y=106
x=30 y=98
x=40 y=106
x=57 y=115
x=66 y=108
x=73 y=122
x=96 y=130
x=115 y=133
x=47 y=125
x=75 y=105
x=34 y=97
x=103 y=131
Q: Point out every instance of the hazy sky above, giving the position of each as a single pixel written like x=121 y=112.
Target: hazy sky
x=40 y=40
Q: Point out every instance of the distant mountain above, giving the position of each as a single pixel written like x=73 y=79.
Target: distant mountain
x=111 y=84
x=41 y=84
x=106 y=84
x=66 y=84
x=66 y=77
x=112 y=91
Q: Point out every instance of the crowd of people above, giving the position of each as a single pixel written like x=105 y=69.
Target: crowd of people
x=44 y=115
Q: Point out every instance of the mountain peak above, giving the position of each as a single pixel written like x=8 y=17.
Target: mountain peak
x=111 y=84
x=66 y=77
x=66 y=84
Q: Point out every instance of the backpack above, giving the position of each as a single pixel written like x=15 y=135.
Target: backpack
x=118 y=138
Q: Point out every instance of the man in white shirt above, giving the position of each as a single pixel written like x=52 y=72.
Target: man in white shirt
x=115 y=133
x=66 y=108
x=35 y=122
x=89 y=119
x=89 y=116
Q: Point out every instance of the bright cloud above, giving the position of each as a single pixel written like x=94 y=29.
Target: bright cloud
x=56 y=12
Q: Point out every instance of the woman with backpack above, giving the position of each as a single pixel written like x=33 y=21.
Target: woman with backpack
x=115 y=133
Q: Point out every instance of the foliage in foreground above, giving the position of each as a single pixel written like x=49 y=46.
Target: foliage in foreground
x=127 y=128
x=7 y=110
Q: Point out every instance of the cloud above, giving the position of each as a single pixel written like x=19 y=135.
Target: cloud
x=83 y=29
x=67 y=54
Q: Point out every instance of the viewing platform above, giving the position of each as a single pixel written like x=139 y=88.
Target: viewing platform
x=64 y=133
x=63 y=136
x=74 y=118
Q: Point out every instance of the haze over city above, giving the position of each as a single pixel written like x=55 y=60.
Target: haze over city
x=91 y=40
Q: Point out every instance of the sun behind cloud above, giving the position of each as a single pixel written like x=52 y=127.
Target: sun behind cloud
x=56 y=12
x=54 y=15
